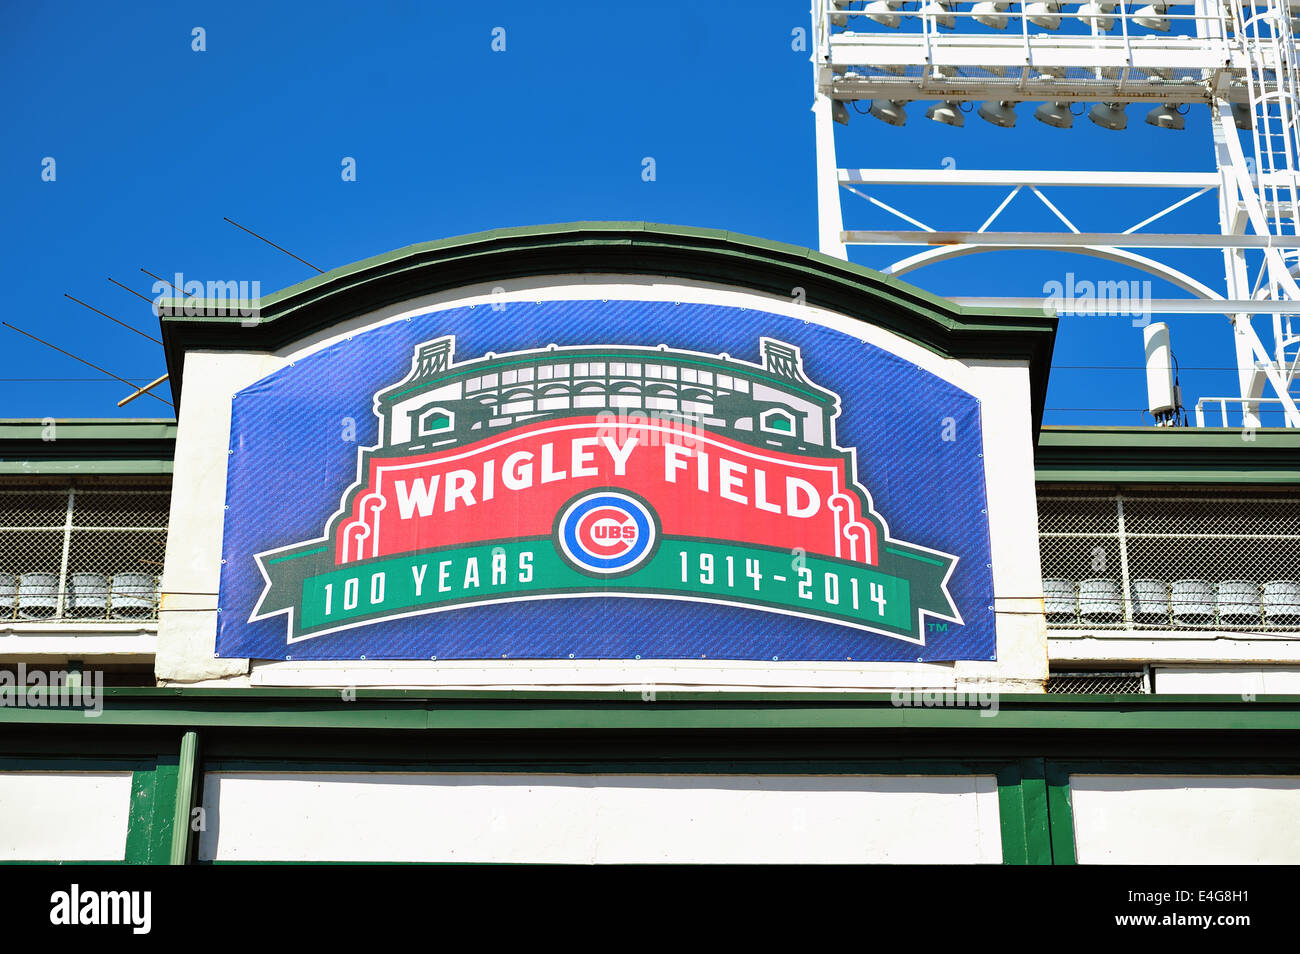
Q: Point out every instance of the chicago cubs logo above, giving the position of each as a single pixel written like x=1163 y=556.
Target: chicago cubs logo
x=606 y=533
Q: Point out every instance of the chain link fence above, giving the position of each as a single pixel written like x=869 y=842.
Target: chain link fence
x=1150 y=559
x=85 y=550
x=1170 y=559
x=1097 y=683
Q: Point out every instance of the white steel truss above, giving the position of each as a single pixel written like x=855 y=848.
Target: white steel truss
x=1238 y=57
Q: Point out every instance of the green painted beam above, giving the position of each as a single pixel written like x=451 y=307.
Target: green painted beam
x=87 y=446
x=140 y=816
x=1061 y=814
x=533 y=712
x=1038 y=842
x=1011 y=816
x=148 y=833
x=1168 y=455
x=716 y=696
x=89 y=468
x=88 y=429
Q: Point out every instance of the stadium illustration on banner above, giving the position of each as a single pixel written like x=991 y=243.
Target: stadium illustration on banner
x=598 y=471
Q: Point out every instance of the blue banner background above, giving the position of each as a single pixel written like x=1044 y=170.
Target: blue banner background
x=291 y=461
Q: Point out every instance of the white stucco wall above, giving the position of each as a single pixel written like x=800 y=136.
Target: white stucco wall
x=192 y=568
x=186 y=640
x=64 y=816
x=1174 y=648
x=620 y=819
x=1180 y=819
x=1242 y=681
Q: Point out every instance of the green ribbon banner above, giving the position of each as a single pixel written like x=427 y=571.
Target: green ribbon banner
x=888 y=598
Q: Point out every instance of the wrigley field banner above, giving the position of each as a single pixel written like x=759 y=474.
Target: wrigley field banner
x=614 y=479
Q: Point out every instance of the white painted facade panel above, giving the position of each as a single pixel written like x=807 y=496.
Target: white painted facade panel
x=1184 y=819
x=601 y=818
x=1237 y=681
x=64 y=816
x=187 y=640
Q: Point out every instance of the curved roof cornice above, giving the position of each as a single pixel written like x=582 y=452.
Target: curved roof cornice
x=630 y=248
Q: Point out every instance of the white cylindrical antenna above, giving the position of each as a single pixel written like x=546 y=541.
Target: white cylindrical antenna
x=1162 y=389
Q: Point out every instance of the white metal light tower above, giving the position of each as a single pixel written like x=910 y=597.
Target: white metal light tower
x=1236 y=56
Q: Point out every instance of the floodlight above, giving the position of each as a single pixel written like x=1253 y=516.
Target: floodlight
x=947 y=113
x=1095 y=12
x=1109 y=115
x=1152 y=16
x=1044 y=13
x=884 y=12
x=991 y=13
x=888 y=111
x=1055 y=114
x=941 y=11
x=1166 y=116
x=999 y=113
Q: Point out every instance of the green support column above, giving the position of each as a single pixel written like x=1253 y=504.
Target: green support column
x=149 y=824
x=186 y=779
x=1038 y=837
x=1062 y=815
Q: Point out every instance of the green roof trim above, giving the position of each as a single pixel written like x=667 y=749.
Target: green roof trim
x=1065 y=454
x=87 y=446
x=1168 y=455
x=635 y=248
x=531 y=711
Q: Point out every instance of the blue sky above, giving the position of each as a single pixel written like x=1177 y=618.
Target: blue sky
x=154 y=143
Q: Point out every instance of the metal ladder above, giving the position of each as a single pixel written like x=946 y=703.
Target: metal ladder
x=1273 y=84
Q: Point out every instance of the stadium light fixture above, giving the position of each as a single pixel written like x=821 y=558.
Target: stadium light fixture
x=941 y=11
x=1044 y=13
x=991 y=13
x=1097 y=12
x=947 y=113
x=884 y=12
x=1166 y=116
x=1109 y=115
x=998 y=113
x=1055 y=114
x=888 y=111
x=1152 y=16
